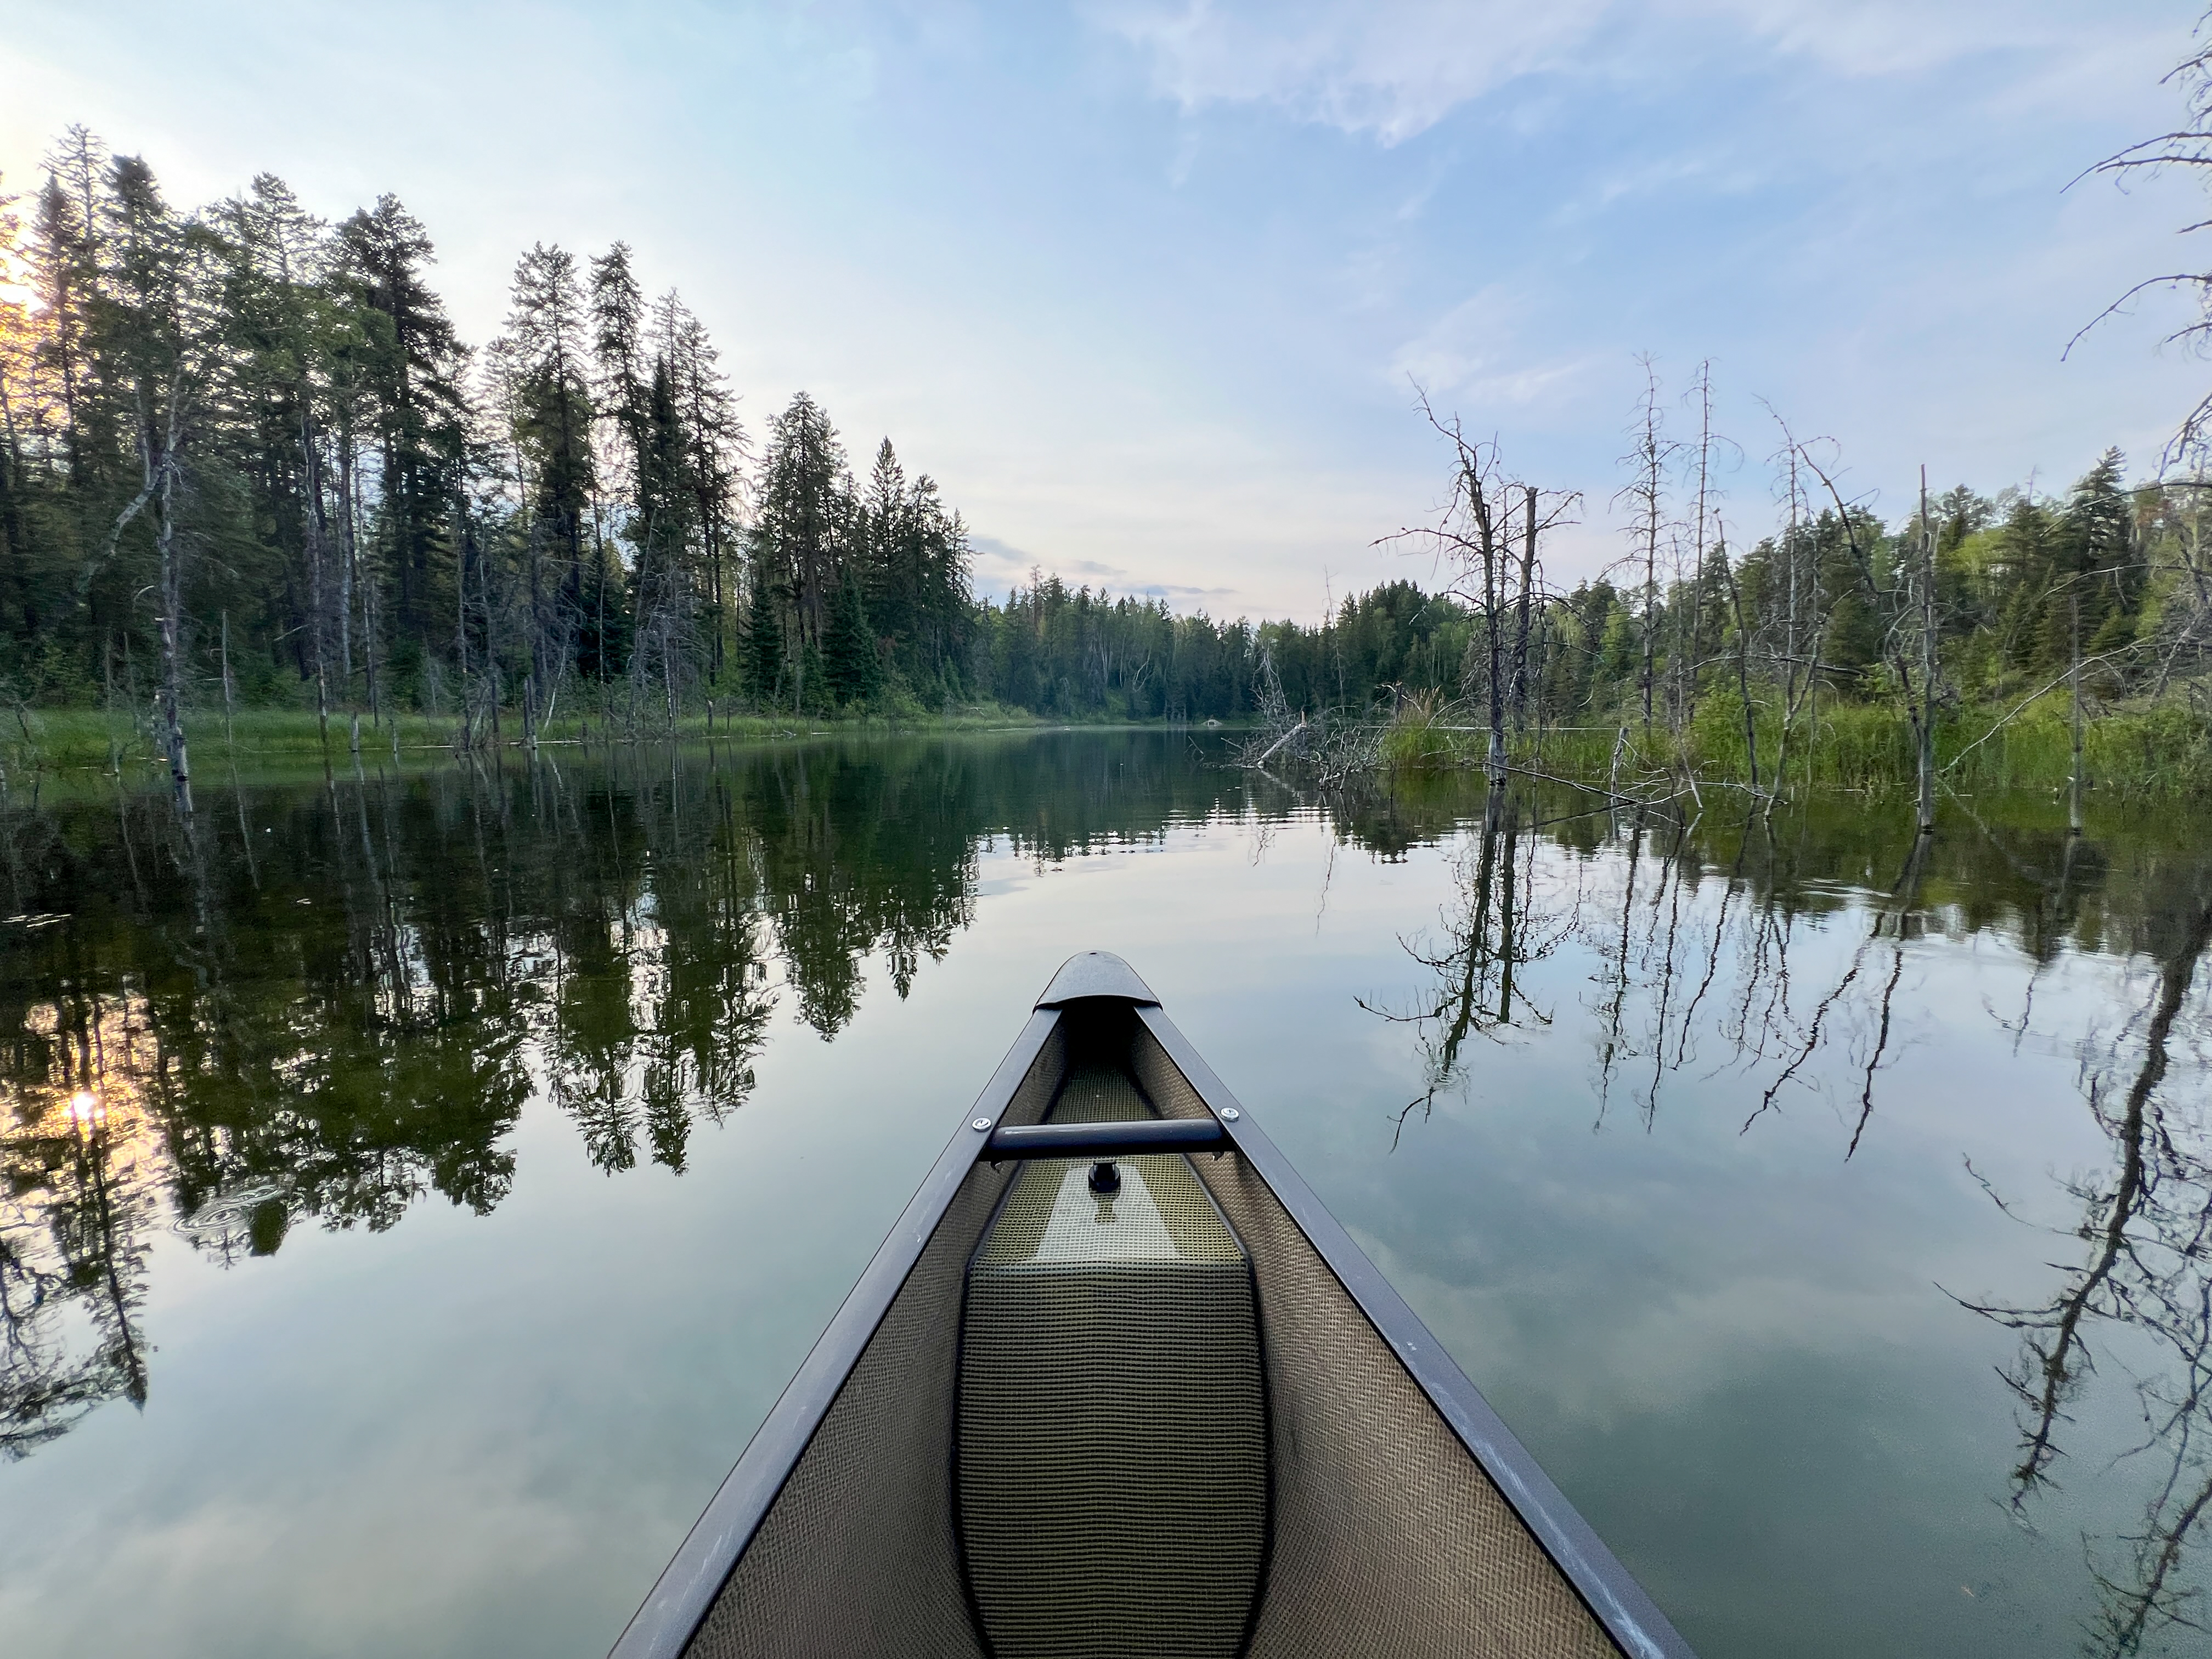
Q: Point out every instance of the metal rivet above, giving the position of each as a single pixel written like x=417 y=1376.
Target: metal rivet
x=980 y=1123
x=1230 y=1116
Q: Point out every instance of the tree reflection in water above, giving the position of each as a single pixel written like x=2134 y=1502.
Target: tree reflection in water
x=342 y=1006
x=329 y=1002
x=2147 y=1224
x=1686 y=988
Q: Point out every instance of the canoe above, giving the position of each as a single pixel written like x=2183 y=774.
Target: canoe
x=1117 y=1384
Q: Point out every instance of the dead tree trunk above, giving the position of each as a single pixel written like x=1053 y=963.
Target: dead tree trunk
x=2074 y=785
x=1742 y=665
x=1487 y=544
x=1520 y=615
x=172 y=623
x=1927 y=722
x=228 y=698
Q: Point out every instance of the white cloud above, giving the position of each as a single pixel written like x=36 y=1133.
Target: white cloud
x=1473 y=354
x=1392 y=69
x=1904 y=37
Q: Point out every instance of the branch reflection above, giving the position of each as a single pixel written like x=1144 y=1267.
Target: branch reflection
x=1779 y=956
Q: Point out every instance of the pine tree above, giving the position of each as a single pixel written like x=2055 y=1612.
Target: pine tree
x=715 y=453
x=618 y=350
x=765 y=678
x=157 y=346
x=412 y=365
x=811 y=685
x=804 y=511
x=848 y=655
x=660 y=528
x=552 y=411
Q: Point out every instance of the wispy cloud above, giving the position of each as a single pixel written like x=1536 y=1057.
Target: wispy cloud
x=1474 y=354
x=1390 y=69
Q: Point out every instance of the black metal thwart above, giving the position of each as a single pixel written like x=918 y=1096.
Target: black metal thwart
x=1097 y=1141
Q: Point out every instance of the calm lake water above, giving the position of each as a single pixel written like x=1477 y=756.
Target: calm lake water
x=415 y=1187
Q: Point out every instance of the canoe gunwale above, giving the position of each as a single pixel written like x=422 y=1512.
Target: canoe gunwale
x=1621 y=1605
x=665 y=1625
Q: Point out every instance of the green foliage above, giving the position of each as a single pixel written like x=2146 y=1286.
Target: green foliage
x=371 y=518
x=849 y=662
x=1417 y=738
x=764 y=650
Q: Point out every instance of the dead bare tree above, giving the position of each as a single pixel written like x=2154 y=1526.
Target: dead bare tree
x=2188 y=146
x=1649 y=459
x=1690 y=650
x=1911 y=624
x=1803 y=619
x=1475 y=537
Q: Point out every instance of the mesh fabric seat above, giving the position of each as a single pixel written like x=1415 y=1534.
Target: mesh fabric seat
x=1112 y=1456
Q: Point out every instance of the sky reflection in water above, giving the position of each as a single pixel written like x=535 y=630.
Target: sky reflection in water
x=451 y=1167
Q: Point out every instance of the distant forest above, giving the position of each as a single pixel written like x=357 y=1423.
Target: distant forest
x=246 y=459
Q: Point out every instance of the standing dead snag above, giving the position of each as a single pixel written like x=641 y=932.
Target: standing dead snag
x=1521 y=613
x=1691 y=650
x=1742 y=660
x=1646 y=491
x=1475 y=532
x=1924 y=721
x=172 y=559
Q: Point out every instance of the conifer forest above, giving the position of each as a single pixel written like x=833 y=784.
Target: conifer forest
x=527 y=817
x=246 y=462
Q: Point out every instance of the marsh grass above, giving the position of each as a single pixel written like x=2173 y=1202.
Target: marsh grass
x=2149 y=751
x=1419 y=737
x=36 y=740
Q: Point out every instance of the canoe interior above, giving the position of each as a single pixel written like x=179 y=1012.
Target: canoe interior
x=1380 y=1534
x=1110 y=1455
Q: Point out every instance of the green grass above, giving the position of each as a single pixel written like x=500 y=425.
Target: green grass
x=35 y=739
x=2152 y=750
x=2156 y=750
x=1419 y=737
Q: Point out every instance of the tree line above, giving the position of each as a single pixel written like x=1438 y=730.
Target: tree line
x=245 y=456
x=246 y=459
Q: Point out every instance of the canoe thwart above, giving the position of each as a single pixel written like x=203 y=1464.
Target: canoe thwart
x=1105 y=1141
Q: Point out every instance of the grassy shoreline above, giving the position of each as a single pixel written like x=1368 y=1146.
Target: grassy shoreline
x=2149 y=751
x=34 y=740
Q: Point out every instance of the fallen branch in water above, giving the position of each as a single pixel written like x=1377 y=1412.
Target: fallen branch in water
x=1268 y=753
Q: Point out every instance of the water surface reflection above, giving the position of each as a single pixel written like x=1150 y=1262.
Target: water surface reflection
x=1685 y=990
x=338 y=1001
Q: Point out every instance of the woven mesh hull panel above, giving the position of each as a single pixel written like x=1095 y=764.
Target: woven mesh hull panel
x=1388 y=1539
x=856 y=1559
x=1113 y=1454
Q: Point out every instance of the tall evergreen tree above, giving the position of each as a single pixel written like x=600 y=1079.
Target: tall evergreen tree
x=804 y=511
x=714 y=440
x=766 y=651
x=848 y=655
x=411 y=369
x=662 y=532
x=545 y=326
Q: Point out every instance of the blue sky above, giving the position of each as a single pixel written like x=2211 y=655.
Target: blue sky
x=1146 y=283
